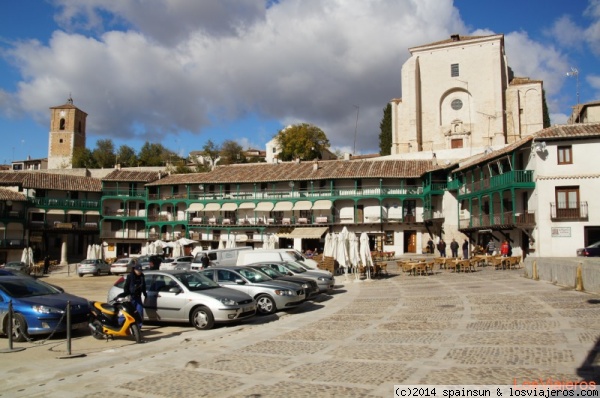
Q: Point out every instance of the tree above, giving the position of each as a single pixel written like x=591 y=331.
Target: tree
x=385 y=134
x=82 y=158
x=153 y=155
x=211 y=151
x=545 y=110
x=231 y=153
x=302 y=141
x=104 y=154
x=126 y=156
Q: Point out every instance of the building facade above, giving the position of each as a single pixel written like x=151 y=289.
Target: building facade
x=67 y=132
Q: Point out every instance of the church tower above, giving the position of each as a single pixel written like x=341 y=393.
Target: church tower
x=67 y=132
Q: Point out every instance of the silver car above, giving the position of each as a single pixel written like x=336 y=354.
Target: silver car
x=187 y=296
x=324 y=279
x=270 y=295
x=183 y=262
x=93 y=267
x=123 y=266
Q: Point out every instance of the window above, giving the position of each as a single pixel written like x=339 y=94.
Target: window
x=567 y=202
x=454 y=70
x=456 y=104
x=456 y=143
x=62 y=124
x=565 y=155
x=389 y=238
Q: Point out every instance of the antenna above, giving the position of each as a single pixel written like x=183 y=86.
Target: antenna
x=575 y=72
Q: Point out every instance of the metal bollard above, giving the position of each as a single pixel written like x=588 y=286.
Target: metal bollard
x=68 y=310
x=10 y=331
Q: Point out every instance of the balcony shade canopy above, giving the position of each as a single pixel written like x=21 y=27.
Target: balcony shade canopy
x=302 y=205
x=92 y=213
x=322 y=205
x=247 y=205
x=195 y=207
x=283 y=206
x=264 y=206
x=74 y=212
x=305 y=233
x=212 y=207
x=229 y=207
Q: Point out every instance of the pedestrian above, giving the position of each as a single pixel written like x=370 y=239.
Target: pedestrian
x=491 y=247
x=465 y=249
x=504 y=248
x=430 y=246
x=135 y=286
x=442 y=248
x=454 y=248
x=46 y=264
x=205 y=260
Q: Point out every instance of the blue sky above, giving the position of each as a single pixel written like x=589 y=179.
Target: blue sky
x=183 y=72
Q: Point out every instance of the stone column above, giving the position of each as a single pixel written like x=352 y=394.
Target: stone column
x=63 y=251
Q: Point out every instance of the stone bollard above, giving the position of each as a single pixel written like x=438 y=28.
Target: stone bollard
x=534 y=272
x=579 y=279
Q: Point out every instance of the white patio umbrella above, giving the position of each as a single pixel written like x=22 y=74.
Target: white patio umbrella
x=265 y=240
x=186 y=241
x=365 y=253
x=273 y=241
x=89 y=252
x=341 y=254
x=25 y=256
x=328 y=247
x=177 y=249
x=230 y=242
x=354 y=255
x=222 y=242
x=98 y=251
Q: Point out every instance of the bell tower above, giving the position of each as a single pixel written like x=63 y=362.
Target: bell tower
x=67 y=132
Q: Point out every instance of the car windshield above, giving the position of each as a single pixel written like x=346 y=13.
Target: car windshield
x=196 y=281
x=122 y=261
x=26 y=287
x=294 y=267
x=272 y=273
x=594 y=245
x=14 y=265
x=254 y=275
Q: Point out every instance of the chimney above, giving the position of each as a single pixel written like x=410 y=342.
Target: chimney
x=315 y=166
x=455 y=37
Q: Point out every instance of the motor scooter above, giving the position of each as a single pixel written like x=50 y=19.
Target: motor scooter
x=118 y=317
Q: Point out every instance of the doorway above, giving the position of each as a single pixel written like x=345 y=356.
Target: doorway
x=410 y=241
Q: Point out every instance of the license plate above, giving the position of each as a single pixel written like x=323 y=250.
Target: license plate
x=250 y=308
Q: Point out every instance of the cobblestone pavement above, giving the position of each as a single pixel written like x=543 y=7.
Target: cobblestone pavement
x=486 y=327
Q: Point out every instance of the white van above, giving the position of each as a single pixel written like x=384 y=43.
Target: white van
x=261 y=255
x=218 y=257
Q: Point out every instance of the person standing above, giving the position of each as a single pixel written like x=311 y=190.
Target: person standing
x=465 y=249
x=46 y=264
x=135 y=286
x=442 y=247
x=430 y=246
x=491 y=247
x=205 y=260
x=454 y=248
x=504 y=248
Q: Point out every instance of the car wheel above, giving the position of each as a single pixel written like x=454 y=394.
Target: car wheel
x=202 y=318
x=19 y=328
x=96 y=273
x=80 y=275
x=265 y=304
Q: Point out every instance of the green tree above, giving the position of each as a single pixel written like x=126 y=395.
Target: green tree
x=211 y=151
x=302 y=141
x=153 y=155
x=545 y=110
x=231 y=153
x=385 y=131
x=126 y=156
x=104 y=154
x=82 y=158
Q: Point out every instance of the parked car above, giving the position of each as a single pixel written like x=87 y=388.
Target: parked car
x=94 y=267
x=18 y=266
x=270 y=295
x=38 y=307
x=123 y=265
x=310 y=285
x=187 y=296
x=183 y=262
x=146 y=261
x=324 y=279
x=592 y=250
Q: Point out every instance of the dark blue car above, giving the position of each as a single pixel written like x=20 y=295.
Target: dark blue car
x=38 y=308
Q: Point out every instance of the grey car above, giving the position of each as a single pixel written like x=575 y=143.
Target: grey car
x=270 y=295
x=189 y=297
x=93 y=267
x=308 y=284
x=324 y=279
x=18 y=266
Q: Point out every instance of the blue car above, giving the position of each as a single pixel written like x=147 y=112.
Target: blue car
x=38 y=308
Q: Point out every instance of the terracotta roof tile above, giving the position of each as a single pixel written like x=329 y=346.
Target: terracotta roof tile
x=7 y=194
x=51 y=181
x=133 y=176
x=579 y=130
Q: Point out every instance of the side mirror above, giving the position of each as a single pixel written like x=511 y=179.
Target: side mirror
x=239 y=281
x=175 y=290
x=289 y=273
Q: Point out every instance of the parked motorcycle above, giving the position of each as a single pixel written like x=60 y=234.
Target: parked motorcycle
x=118 y=317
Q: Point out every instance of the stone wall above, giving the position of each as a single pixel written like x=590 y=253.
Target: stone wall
x=563 y=271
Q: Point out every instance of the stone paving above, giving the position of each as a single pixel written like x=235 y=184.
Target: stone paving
x=486 y=327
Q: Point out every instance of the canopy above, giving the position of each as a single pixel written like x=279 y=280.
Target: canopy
x=229 y=207
x=306 y=233
x=264 y=206
x=212 y=207
x=247 y=205
x=195 y=207
x=55 y=211
x=74 y=212
x=186 y=241
x=283 y=206
x=302 y=205
x=92 y=213
x=322 y=205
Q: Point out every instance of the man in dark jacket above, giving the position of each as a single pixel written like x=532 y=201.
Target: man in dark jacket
x=135 y=286
x=454 y=248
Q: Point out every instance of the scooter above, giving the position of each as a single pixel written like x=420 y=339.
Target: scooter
x=118 y=317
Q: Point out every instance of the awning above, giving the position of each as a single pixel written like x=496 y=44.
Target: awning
x=283 y=206
x=212 y=207
x=302 y=205
x=264 y=206
x=36 y=210
x=74 y=212
x=247 y=205
x=229 y=207
x=322 y=205
x=55 y=211
x=195 y=207
x=92 y=213
x=305 y=233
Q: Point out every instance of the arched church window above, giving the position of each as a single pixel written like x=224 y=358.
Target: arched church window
x=62 y=124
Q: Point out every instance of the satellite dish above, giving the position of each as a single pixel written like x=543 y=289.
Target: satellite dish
x=540 y=146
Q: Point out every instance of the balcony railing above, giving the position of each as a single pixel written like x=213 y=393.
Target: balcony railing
x=65 y=203
x=569 y=211
x=132 y=193
x=59 y=225
x=502 y=219
x=520 y=178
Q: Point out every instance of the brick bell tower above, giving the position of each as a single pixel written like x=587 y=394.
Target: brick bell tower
x=67 y=132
